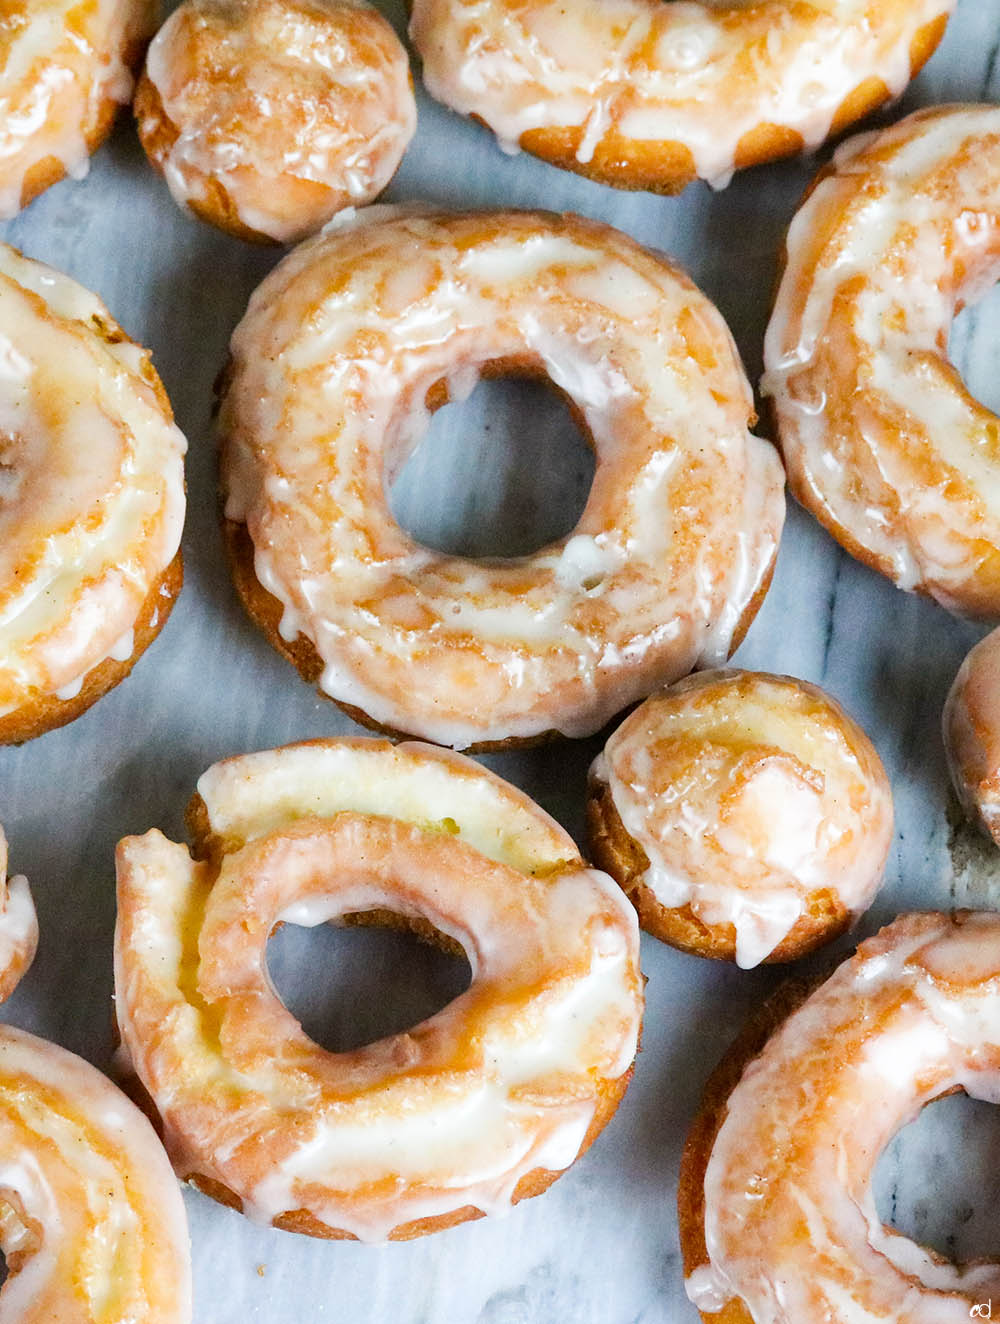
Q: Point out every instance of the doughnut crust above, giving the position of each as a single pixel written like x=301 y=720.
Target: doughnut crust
x=971 y=730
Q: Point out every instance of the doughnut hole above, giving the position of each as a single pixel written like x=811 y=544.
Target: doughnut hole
x=501 y=473
x=352 y=985
x=937 y=1182
x=20 y=1236
x=972 y=346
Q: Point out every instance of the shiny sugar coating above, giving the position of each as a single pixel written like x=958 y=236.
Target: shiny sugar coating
x=971 y=729
x=18 y=926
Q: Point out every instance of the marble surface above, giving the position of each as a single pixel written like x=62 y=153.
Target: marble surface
x=502 y=471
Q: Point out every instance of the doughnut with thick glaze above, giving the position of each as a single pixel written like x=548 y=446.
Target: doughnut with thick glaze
x=267 y=117
x=971 y=729
x=882 y=441
x=777 y=1218
x=645 y=95
x=89 y=534
x=746 y=815
x=345 y=348
x=18 y=926
x=66 y=68
x=479 y=1106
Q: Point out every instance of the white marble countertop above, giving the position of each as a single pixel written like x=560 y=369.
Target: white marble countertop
x=601 y=1246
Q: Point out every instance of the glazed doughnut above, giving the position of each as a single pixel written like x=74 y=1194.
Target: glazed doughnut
x=971 y=727
x=344 y=350
x=474 y=1109
x=65 y=68
x=18 y=926
x=266 y=117
x=89 y=565
x=746 y=816
x=646 y=95
x=882 y=441
x=777 y=1217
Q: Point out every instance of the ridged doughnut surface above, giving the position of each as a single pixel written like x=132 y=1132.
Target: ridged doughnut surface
x=882 y=441
x=778 y=1222
x=266 y=117
x=642 y=94
x=746 y=815
x=91 y=499
x=477 y=1107
x=343 y=351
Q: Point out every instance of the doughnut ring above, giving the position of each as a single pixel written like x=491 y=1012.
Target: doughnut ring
x=971 y=727
x=645 y=95
x=344 y=350
x=65 y=68
x=89 y=535
x=747 y=816
x=481 y=1105
x=266 y=117
x=18 y=926
x=882 y=441
x=777 y=1217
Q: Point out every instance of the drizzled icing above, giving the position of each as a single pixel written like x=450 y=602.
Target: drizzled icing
x=62 y=63
x=971 y=728
x=750 y=794
x=882 y=440
x=85 y=531
x=18 y=926
x=648 y=74
x=505 y=1080
x=296 y=108
x=91 y=1217
x=331 y=369
x=790 y=1222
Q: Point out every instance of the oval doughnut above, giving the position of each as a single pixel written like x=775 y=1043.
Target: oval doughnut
x=777 y=1217
x=645 y=95
x=266 y=117
x=479 y=1106
x=882 y=441
x=746 y=816
x=89 y=534
x=18 y=926
x=65 y=68
x=971 y=728
x=343 y=351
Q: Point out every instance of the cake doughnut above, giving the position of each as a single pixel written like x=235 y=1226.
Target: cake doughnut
x=266 y=117
x=882 y=441
x=345 y=349
x=971 y=728
x=747 y=816
x=777 y=1217
x=645 y=95
x=477 y=1107
x=18 y=926
x=89 y=534
x=65 y=68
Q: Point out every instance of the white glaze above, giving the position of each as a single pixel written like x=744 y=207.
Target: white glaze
x=315 y=420
x=84 y=531
x=971 y=729
x=18 y=925
x=703 y=76
x=460 y=1108
x=792 y=1230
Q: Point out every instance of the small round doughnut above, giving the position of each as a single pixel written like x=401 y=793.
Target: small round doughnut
x=89 y=534
x=343 y=352
x=267 y=117
x=971 y=727
x=777 y=1217
x=479 y=1106
x=645 y=95
x=18 y=926
x=747 y=816
x=882 y=441
x=65 y=68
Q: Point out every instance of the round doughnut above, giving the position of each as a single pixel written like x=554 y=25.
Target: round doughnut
x=479 y=1106
x=344 y=350
x=645 y=95
x=777 y=1217
x=746 y=816
x=65 y=68
x=89 y=534
x=267 y=117
x=18 y=927
x=882 y=441
x=971 y=727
